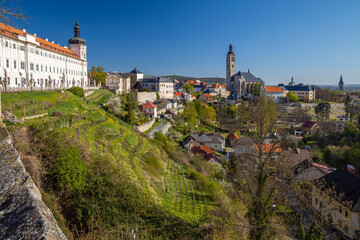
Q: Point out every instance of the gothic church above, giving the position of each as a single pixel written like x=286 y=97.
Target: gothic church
x=240 y=84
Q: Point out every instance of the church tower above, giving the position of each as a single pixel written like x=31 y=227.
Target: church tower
x=77 y=44
x=341 y=85
x=230 y=66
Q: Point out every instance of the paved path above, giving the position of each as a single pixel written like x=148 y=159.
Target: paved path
x=158 y=128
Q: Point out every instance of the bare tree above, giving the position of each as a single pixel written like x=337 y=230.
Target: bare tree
x=260 y=173
x=10 y=11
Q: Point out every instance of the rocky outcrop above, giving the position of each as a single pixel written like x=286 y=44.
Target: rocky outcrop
x=23 y=214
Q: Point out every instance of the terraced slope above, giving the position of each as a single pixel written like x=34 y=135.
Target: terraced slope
x=103 y=180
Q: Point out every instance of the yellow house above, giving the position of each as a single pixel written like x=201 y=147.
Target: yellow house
x=336 y=199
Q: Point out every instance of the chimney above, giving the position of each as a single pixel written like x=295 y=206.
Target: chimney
x=46 y=39
x=249 y=70
x=298 y=150
x=351 y=168
x=24 y=30
x=34 y=34
x=52 y=41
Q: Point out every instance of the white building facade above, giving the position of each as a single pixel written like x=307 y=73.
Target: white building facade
x=28 y=62
x=118 y=82
x=163 y=85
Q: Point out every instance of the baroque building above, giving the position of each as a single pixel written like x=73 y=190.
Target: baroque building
x=240 y=84
x=118 y=82
x=28 y=62
x=303 y=92
x=164 y=86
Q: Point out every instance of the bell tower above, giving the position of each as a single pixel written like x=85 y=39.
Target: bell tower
x=230 y=66
x=77 y=44
x=341 y=85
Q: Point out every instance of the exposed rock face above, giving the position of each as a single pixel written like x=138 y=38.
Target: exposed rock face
x=23 y=214
x=8 y=116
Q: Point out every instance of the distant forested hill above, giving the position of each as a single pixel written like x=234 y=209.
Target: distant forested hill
x=210 y=80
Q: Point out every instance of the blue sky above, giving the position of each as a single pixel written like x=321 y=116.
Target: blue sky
x=313 y=40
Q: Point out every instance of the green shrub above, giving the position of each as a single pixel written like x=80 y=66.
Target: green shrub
x=78 y=91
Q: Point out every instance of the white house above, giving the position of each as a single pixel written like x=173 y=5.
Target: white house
x=276 y=92
x=162 y=85
x=27 y=61
x=149 y=109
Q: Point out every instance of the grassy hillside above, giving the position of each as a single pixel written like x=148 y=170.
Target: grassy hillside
x=102 y=180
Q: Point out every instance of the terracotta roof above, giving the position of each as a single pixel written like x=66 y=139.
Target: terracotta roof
x=232 y=137
x=149 y=104
x=273 y=89
x=266 y=148
x=202 y=149
x=208 y=97
x=323 y=168
x=14 y=33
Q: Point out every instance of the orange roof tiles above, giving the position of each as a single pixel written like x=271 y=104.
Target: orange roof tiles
x=266 y=148
x=149 y=104
x=203 y=148
x=273 y=89
x=14 y=33
x=217 y=85
x=232 y=137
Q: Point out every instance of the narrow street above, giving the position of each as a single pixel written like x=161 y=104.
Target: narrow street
x=157 y=129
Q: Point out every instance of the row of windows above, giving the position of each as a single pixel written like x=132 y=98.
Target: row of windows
x=41 y=53
x=42 y=68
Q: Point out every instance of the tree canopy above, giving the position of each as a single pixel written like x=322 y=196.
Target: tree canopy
x=97 y=74
x=322 y=110
x=188 y=88
x=292 y=97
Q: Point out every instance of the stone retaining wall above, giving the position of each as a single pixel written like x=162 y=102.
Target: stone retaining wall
x=34 y=116
x=143 y=97
x=146 y=126
x=166 y=128
x=23 y=214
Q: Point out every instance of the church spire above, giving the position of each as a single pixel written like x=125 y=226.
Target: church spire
x=230 y=49
x=76 y=29
x=341 y=80
x=76 y=39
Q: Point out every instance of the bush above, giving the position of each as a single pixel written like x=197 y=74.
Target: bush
x=78 y=91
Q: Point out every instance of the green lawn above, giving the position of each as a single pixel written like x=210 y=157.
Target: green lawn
x=34 y=103
x=100 y=96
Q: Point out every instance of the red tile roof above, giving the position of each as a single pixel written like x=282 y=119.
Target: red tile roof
x=232 y=137
x=274 y=89
x=323 y=168
x=266 y=148
x=149 y=104
x=14 y=33
x=202 y=149
x=178 y=94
